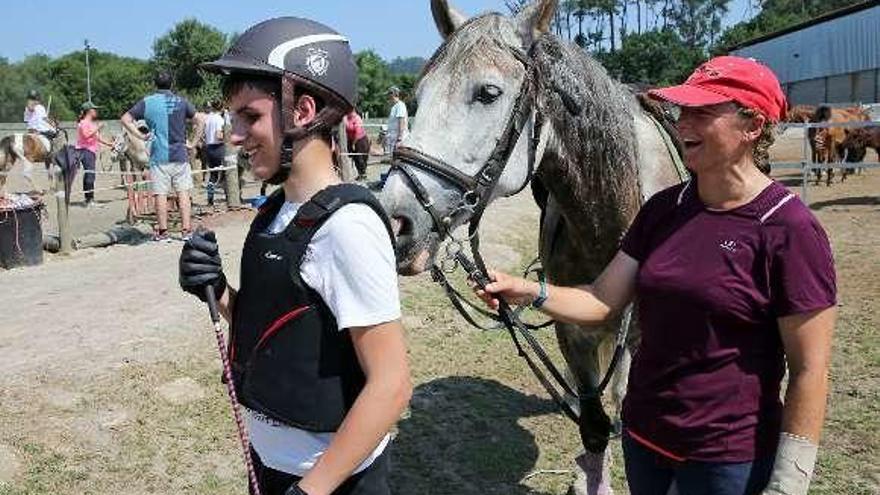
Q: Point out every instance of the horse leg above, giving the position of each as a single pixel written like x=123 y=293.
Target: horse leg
x=28 y=173
x=618 y=385
x=123 y=171
x=584 y=351
x=18 y=154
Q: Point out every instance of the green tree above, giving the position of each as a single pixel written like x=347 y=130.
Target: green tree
x=182 y=50
x=12 y=92
x=697 y=21
x=117 y=82
x=408 y=65
x=374 y=79
x=658 y=57
x=34 y=72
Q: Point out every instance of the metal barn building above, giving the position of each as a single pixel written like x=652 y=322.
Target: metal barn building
x=834 y=58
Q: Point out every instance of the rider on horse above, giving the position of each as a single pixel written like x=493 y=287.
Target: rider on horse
x=37 y=118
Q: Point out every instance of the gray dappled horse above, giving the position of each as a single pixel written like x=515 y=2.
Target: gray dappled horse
x=131 y=152
x=598 y=154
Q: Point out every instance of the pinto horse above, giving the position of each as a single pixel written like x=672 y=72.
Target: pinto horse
x=28 y=148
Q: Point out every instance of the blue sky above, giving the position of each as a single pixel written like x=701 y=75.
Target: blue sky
x=128 y=27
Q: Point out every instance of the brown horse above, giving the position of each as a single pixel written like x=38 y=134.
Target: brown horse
x=800 y=114
x=856 y=144
x=827 y=143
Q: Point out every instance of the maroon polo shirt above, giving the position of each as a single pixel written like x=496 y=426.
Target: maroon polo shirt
x=705 y=380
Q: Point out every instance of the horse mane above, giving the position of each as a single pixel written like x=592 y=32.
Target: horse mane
x=593 y=119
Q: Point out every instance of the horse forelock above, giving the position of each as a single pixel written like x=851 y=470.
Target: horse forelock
x=475 y=44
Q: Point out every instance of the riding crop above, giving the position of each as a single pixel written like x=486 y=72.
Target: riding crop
x=211 y=299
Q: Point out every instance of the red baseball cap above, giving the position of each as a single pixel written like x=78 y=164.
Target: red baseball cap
x=723 y=79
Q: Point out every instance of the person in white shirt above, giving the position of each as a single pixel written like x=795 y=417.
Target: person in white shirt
x=317 y=347
x=215 y=147
x=398 y=121
x=37 y=118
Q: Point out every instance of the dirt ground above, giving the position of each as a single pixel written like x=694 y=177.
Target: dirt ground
x=109 y=379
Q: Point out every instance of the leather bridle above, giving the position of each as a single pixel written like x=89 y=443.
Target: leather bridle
x=476 y=190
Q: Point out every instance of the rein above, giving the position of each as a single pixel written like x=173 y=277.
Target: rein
x=476 y=193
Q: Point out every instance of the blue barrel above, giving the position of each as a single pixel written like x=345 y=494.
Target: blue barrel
x=21 y=236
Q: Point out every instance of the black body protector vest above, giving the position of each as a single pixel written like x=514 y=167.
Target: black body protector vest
x=290 y=361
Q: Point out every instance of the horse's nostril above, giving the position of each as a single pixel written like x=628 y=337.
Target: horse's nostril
x=402 y=226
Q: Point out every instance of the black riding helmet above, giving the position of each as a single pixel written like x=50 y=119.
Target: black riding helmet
x=301 y=53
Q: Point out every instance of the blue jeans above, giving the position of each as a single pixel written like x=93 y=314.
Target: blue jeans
x=87 y=158
x=650 y=473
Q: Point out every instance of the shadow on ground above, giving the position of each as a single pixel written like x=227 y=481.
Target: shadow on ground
x=462 y=437
x=852 y=201
x=791 y=181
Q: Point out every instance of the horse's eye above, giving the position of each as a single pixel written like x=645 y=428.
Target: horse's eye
x=488 y=93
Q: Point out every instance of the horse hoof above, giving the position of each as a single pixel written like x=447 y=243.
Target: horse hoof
x=593 y=477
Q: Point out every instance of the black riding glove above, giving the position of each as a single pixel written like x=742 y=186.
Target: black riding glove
x=200 y=265
x=295 y=490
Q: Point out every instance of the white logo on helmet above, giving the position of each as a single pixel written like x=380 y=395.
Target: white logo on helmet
x=317 y=62
x=277 y=55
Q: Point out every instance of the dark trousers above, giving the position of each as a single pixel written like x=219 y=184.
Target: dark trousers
x=362 y=148
x=214 y=155
x=650 y=473
x=88 y=160
x=370 y=481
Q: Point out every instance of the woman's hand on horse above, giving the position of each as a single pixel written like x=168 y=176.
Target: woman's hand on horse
x=515 y=290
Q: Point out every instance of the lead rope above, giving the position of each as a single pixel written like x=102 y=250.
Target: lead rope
x=230 y=390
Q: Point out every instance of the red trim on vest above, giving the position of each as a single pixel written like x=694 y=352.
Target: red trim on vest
x=280 y=322
x=305 y=222
x=653 y=446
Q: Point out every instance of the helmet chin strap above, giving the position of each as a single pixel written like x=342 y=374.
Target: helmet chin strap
x=332 y=113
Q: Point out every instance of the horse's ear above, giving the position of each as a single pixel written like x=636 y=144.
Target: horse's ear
x=446 y=17
x=535 y=19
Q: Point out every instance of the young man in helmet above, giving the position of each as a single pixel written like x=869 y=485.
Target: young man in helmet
x=317 y=347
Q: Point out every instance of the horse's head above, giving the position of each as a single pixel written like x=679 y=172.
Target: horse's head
x=471 y=140
x=132 y=147
x=119 y=146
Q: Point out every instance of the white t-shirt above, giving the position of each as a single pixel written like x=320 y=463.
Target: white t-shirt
x=213 y=123
x=350 y=263
x=36 y=118
x=398 y=111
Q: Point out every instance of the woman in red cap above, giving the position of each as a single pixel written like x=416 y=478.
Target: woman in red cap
x=734 y=278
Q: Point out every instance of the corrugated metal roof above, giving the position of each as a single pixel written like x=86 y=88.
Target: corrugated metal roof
x=848 y=43
x=834 y=14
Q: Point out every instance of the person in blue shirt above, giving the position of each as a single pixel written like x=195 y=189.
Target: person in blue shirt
x=167 y=114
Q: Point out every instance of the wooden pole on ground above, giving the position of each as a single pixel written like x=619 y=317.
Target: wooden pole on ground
x=64 y=233
x=233 y=187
